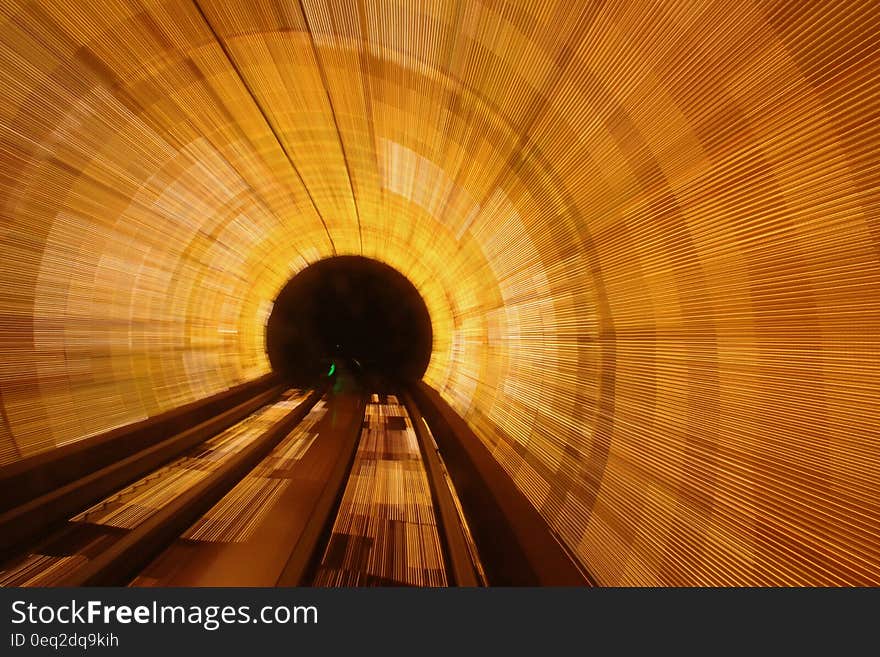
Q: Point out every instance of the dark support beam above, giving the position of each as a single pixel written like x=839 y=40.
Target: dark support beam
x=516 y=545
x=31 y=477
x=24 y=523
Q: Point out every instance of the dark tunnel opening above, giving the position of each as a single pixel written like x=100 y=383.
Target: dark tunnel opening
x=352 y=311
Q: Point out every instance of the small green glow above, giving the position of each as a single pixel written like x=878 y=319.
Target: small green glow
x=332 y=369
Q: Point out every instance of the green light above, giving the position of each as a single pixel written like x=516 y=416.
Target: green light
x=332 y=369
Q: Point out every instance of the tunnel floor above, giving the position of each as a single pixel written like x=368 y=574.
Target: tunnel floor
x=340 y=497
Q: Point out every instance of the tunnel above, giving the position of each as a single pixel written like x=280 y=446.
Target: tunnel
x=620 y=260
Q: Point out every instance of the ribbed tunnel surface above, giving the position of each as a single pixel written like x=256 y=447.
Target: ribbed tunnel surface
x=646 y=235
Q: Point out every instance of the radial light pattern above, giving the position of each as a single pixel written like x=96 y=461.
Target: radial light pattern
x=647 y=234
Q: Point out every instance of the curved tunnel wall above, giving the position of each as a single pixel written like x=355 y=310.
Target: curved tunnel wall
x=647 y=237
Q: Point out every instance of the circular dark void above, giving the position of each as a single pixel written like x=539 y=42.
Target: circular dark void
x=349 y=310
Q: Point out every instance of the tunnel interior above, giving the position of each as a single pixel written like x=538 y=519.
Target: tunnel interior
x=647 y=236
x=351 y=311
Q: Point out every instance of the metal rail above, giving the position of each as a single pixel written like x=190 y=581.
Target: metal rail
x=517 y=546
x=305 y=556
x=124 y=559
x=461 y=561
x=27 y=522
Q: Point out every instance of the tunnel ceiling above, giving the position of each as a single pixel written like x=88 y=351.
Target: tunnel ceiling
x=646 y=235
